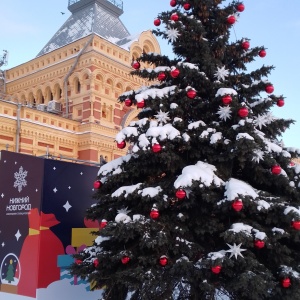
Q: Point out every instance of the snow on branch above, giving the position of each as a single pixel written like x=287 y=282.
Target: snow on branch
x=201 y=171
x=163 y=132
x=126 y=190
x=235 y=187
x=155 y=93
x=114 y=165
x=150 y=191
x=226 y=91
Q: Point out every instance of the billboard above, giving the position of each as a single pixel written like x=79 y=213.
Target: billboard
x=42 y=223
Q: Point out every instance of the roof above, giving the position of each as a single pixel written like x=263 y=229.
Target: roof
x=100 y=17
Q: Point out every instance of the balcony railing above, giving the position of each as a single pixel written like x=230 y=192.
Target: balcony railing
x=117 y=3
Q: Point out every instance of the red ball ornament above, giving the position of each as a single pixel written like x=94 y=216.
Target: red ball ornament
x=97 y=184
x=259 y=244
x=243 y=112
x=175 y=73
x=237 y=205
x=191 y=94
x=186 y=6
x=121 y=145
x=262 y=53
x=280 y=102
x=180 y=194
x=157 y=22
x=161 y=76
x=136 y=65
x=163 y=261
x=173 y=3
x=174 y=17
x=240 y=7
x=216 y=269
x=286 y=282
x=103 y=223
x=296 y=225
x=154 y=214
x=245 y=45
x=227 y=100
x=125 y=260
x=78 y=261
x=276 y=170
x=96 y=262
x=128 y=102
x=269 y=89
x=231 y=20
x=141 y=104
x=156 y=148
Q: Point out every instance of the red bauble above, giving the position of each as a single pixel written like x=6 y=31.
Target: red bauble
x=141 y=104
x=237 y=205
x=97 y=184
x=156 y=148
x=174 y=17
x=296 y=225
x=136 y=65
x=240 y=7
x=186 y=6
x=259 y=244
x=216 y=269
x=243 y=112
x=173 y=3
x=175 y=73
x=125 y=260
x=78 y=261
x=231 y=20
x=191 y=94
x=262 y=53
x=245 y=45
x=269 y=89
x=103 y=223
x=157 y=22
x=276 y=170
x=128 y=102
x=96 y=262
x=154 y=214
x=161 y=76
x=163 y=261
x=280 y=102
x=121 y=145
x=227 y=100
x=180 y=194
x=286 y=282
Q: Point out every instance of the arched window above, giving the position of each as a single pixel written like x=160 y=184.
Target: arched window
x=77 y=85
x=57 y=92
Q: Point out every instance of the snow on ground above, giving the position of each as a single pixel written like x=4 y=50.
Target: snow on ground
x=61 y=289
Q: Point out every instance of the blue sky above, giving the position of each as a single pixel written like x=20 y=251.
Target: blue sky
x=26 y=26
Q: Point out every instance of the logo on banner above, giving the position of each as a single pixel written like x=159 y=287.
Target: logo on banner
x=20 y=179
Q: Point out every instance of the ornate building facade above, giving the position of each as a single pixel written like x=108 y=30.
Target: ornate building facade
x=63 y=103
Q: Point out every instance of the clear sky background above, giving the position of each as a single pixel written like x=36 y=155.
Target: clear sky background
x=27 y=25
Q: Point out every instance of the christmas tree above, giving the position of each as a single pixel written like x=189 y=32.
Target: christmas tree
x=205 y=205
x=10 y=272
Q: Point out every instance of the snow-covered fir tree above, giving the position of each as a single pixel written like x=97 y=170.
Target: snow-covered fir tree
x=206 y=204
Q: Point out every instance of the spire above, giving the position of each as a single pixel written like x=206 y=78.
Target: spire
x=100 y=17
